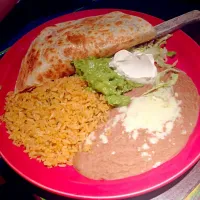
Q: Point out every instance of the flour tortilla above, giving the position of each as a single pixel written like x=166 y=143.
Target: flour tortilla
x=51 y=53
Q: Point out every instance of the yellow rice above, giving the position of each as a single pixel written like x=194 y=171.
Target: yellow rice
x=53 y=120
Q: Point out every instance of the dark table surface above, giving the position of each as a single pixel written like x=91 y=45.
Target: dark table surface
x=28 y=14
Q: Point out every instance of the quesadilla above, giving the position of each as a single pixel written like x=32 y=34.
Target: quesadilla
x=50 y=55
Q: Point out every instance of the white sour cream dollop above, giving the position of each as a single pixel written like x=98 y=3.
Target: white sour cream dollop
x=137 y=66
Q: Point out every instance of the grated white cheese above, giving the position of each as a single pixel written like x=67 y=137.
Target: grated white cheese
x=153 y=140
x=135 y=134
x=156 y=164
x=103 y=138
x=90 y=139
x=153 y=112
x=143 y=154
x=145 y=146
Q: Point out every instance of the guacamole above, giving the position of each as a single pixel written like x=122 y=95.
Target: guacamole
x=103 y=79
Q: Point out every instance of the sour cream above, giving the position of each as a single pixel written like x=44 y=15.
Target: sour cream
x=137 y=66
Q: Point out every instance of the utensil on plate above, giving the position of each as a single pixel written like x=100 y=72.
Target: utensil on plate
x=177 y=23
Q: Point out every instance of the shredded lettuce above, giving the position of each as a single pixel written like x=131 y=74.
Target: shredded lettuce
x=171 y=53
x=160 y=53
x=163 y=40
x=160 y=84
x=158 y=50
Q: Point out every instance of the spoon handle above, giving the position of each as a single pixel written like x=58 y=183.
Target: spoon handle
x=177 y=23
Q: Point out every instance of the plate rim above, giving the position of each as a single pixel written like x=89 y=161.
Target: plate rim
x=141 y=192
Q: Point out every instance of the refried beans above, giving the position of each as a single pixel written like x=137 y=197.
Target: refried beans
x=118 y=154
